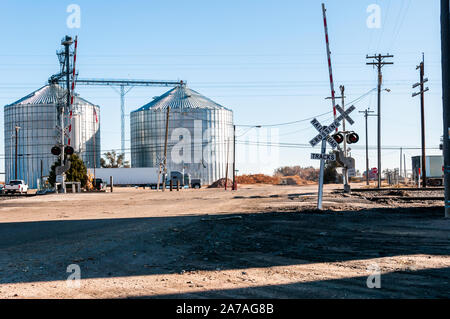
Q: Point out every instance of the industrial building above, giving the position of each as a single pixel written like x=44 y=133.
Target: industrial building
x=36 y=117
x=200 y=134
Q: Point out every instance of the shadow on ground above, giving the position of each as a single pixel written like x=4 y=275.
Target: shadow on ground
x=41 y=251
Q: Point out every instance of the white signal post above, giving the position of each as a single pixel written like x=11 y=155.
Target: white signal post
x=324 y=137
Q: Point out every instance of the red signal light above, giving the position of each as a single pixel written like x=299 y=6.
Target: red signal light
x=56 y=150
x=338 y=137
x=352 y=138
x=68 y=150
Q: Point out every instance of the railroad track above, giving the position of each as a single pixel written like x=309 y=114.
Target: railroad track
x=415 y=189
x=406 y=198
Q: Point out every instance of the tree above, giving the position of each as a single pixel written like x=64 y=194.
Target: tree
x=113 y=160
x=76 y=173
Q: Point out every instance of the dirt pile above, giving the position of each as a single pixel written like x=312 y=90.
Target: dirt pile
x=220 y=183
x=257 y=179
x=271 y=180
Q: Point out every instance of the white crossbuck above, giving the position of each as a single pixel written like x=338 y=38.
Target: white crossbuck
x=324 y=132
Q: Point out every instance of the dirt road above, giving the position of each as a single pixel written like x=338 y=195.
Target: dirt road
x=261 y=241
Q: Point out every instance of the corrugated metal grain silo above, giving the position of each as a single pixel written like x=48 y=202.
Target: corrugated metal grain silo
x=36 y=115
x=200 y=134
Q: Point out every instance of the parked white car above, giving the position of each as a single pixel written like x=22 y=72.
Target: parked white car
x=16 y=186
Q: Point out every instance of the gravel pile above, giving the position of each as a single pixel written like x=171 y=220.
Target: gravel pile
x=221 y=183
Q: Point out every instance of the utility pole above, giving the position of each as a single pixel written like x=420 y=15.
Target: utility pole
x=404 y=165
x=378 y=60
x=15 y=166
x=366 y=113
x=401 y=159
x=344 y=170
x=226 y=168
x=42 y=173
x=445 y=47
x=165 y=149
x=421 y=67
x=159 y=175
x=234 y=159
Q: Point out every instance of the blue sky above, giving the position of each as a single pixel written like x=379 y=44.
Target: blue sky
x=266 y=60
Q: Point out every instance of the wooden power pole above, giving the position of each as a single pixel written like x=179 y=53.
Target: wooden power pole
x=422 y=82
x=445 y=47
x=165 y=149
x=378 y=61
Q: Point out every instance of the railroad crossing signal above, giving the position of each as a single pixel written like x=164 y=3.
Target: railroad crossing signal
x=352 y=138
x=324 y=131
x=338 y=137
x=345 y=114
x=324 y=137
x=63 y=168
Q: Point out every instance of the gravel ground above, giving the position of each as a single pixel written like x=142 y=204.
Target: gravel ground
x=258 y=242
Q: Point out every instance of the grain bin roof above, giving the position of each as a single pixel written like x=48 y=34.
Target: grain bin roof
x=47 y=94
x=181 y=97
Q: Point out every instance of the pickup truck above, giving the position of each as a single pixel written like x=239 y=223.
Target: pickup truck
x=16 y=186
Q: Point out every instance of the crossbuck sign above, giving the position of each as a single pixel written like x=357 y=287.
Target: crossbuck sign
x=324 y=137
x=325 y=131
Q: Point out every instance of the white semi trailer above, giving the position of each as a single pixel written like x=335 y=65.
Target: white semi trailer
x=128 y=176
x=434 y=169
x=143 y=176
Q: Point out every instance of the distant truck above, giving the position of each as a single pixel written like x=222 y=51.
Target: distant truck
x=145 y=176
x=16 y=186
x=434 y=169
